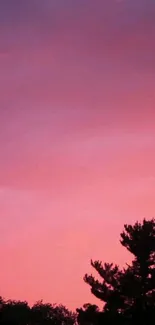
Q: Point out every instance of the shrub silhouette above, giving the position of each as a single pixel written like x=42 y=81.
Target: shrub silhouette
x=19 y=313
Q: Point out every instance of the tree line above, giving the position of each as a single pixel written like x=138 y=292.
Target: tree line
x=128 y=294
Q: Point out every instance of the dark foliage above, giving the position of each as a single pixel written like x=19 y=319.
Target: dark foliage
x=19 y=313
x=128 y=294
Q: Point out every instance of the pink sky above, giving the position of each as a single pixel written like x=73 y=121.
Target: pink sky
x=77 y=138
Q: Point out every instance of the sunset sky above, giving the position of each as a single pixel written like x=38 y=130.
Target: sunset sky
x=77 y=139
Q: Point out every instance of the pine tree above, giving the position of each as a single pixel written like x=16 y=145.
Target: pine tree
x=129 y=292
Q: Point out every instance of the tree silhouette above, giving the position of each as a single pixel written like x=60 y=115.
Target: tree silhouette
x=51 y=314
x=19 y=313
x=88 y=314
x=129 y=293
x=14 y=313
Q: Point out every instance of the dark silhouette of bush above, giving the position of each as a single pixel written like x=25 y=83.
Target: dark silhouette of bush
x=20 y=313
x=14 y=312
x=51 y=314
x=128 y=294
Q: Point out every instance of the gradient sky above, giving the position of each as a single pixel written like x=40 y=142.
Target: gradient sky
x=77 y=139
